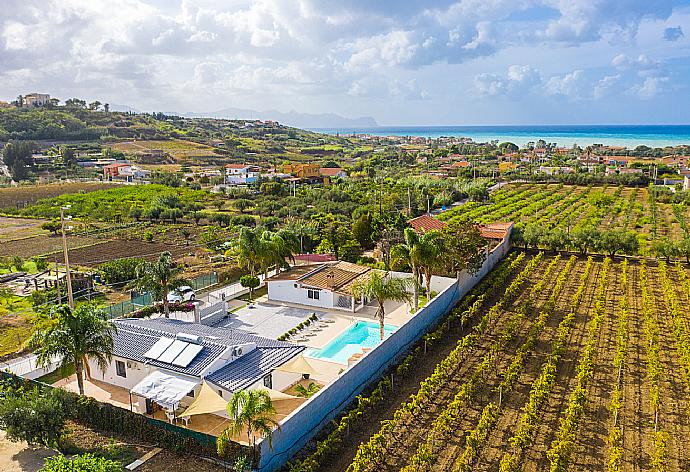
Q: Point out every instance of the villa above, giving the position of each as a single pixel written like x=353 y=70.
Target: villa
x=241 y=174
x=327 y=285
x=163 y=363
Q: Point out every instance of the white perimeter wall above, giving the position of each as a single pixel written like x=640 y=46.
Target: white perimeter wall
x=305 y=422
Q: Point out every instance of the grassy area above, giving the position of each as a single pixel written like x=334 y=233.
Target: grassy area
x=56 y=375
x=259 y=292
x=15 y=324
x=28 y=266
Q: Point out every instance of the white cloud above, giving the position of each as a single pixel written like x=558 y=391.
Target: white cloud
x=650 y=88
x=520 y=79
x=570 y=85
x=319 y=54
x=606 y=85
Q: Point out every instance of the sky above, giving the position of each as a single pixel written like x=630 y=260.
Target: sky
x=403 y=62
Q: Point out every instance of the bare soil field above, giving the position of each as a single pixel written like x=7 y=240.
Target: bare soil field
x=19 y=228
x=117 y=248
x=44 y=244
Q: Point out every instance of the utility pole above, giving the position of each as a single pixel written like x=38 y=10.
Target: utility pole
x=409 y=202
x=57 y=281
x=70 y=296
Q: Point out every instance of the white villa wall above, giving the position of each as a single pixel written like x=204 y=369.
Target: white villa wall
x=305 y=422
x=285 y=291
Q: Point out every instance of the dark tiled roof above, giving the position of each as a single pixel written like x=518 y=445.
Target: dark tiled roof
x=251 y=367
x=135 y=337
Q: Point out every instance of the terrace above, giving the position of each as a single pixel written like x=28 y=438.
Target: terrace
x=208 y=423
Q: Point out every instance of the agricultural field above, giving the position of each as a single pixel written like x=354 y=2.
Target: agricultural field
x=570 y=208
x=43 y=245
x=559 y=363
x=108 y=250
x=20 y=228
x=18 y=197
x=178 y=149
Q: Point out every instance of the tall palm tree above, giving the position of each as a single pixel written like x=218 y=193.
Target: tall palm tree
x=278 y=248
x=249 y=250
x=76 y=336
x=421 y=252
x=301 y=227
x=251 y=411
x=382 y=288
x=430 y=247
x=160 y=278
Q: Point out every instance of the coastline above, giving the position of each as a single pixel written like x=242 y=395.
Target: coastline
x=563 y=135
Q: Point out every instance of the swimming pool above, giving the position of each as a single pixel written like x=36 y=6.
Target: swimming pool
x=360 y=335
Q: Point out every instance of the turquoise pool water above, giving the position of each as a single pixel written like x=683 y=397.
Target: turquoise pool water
x=359 y=335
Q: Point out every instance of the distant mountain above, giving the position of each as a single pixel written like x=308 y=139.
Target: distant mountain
x=292 y=118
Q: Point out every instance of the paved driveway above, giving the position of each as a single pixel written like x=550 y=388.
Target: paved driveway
x=268 y=319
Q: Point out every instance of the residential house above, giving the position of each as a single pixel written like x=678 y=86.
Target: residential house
x=495 y=232
x=241 y=174
x=332 y=172
x=327 y=285
x=164 y=362
x=303 y=171
x=125 y=171
x=35 y=100
x=554 y=170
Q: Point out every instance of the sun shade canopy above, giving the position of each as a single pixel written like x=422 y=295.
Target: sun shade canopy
x=277 y=395
x=298 y=365
x=164 y=388
x=208 y=401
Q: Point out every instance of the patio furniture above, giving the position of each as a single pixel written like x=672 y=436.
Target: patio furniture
x=170 y=415
x=186 y=420
x=329 y=321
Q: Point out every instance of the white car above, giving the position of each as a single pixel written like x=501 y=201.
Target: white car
x=182 y=294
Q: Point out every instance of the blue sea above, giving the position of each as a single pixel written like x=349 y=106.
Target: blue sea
x=562 y=135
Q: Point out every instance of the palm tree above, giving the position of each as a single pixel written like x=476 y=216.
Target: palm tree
x=430 y=249
x=301 y=228
x=277 y=248
x=382 y=288
x=76 y=336
x=421 y=252
x=249 y=250
x=251 y=411
x=307 y=391
x=160 y=278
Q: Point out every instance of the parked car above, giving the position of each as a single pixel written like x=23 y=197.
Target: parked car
x=182 y=294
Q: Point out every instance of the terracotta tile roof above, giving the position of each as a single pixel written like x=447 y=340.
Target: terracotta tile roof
x=336 y=277
x=294 y=273
x=495 y=230
x=315 y=258
x=236 y=166
x=426 y=223
x=330 y=171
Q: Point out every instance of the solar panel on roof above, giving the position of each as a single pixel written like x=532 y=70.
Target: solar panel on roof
x=158 y=348
x=188 y=355
x=173 y=351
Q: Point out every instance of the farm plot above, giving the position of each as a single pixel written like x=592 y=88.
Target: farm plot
x=117 y=248
x=570 y=208
x=579 y=365
x=42 y=245
x=18 y=197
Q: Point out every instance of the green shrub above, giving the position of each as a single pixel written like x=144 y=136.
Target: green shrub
x=33 y=416
x=83 y=463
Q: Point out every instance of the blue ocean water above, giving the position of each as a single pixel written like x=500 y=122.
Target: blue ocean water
x=563 y=135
